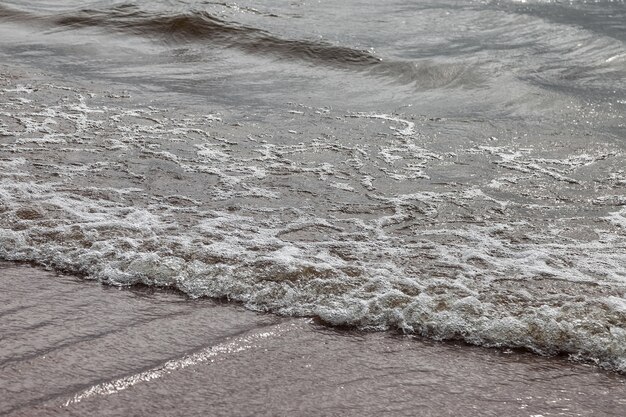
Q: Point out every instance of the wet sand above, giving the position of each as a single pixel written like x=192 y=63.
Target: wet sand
x=71 y=347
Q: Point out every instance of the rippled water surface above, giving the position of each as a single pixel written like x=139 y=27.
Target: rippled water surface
x=454 y=169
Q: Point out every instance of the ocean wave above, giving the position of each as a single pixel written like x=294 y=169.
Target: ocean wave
x=201 y=27
x=483 y=290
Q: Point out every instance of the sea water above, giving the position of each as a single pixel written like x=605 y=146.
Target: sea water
x=452 y=169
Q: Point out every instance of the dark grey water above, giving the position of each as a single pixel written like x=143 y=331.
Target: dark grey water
x=451 y=169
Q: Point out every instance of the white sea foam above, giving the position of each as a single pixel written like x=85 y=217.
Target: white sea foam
x=329 y=226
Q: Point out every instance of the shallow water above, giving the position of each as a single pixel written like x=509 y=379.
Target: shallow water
x=450 y=169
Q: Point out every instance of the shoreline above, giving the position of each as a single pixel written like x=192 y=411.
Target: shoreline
x=545 y=308
x=393 y=332
x=80 y=349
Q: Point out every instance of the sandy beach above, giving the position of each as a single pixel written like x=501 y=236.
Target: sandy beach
x=71 y=347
